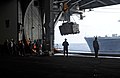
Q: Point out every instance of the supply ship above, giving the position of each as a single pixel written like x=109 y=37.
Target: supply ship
x=107 y=44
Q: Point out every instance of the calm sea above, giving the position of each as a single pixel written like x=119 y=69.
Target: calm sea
x=80 y=48
x=75 y=47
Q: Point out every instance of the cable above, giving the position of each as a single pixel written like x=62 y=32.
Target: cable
x=73 y=19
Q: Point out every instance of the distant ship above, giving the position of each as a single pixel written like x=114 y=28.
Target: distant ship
x=107 y=44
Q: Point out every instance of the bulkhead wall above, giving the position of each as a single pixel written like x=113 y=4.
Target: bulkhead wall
x=8 y=20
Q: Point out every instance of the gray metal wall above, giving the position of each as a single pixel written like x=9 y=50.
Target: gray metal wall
x=8 y=20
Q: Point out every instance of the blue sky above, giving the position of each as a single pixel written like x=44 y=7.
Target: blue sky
x=99 y=22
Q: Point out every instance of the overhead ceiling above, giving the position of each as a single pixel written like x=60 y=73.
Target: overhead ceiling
x=97 y=3
x=83 y=4
x=86 y=4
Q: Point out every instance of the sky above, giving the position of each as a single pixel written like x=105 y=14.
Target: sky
x=98 y=22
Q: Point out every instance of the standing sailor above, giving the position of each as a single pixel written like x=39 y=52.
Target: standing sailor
x=96 y=47
x=65 y=45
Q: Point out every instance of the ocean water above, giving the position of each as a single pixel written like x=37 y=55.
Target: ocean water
x=75 y=47
x=80 y=48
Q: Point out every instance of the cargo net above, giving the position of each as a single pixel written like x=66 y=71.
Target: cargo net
x=69 y=28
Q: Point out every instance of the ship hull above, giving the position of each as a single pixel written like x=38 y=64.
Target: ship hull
x=107 y=44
